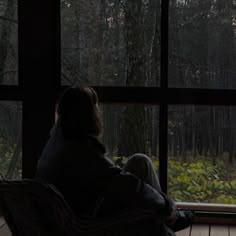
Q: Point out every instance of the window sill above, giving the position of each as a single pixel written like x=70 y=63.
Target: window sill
x=211 y=213
x=207 y=207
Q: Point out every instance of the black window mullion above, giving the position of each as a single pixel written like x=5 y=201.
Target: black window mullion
x=200 y=96
x=10 y=93
x=163 y=120
x=39 y=74
x=153 y=95
x=163 y=147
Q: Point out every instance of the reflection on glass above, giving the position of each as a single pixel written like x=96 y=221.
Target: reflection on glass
x=110 y=43
x=130 y=129
x=202 y=39
x=10 y=139
x=202 y=154
x=8 y=42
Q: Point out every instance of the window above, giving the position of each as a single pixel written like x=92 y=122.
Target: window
x=8 y=42
x=165 y=65
x=10 y=104
x=201 y=150
x=161 y=68
x=10 y=139
x=202 y=44
x=111 y=43
x=129 y=129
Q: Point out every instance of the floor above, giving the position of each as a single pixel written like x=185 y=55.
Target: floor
x=194 y=230
x=208 y=230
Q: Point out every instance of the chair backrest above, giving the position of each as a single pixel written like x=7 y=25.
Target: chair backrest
x=4 y=229
x=33 y=208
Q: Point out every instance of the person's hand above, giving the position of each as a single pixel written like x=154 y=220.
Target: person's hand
x=171 y=219
x=183 y=219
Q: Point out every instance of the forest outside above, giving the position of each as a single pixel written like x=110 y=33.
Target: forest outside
x=198 y=180
x=201 y=181
x=202 y=151
x=201 y=147
x=8 y=42
x=117 y=43
x=11 y=140
x=10 y=111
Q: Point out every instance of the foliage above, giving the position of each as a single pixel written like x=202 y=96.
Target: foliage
x=6 y=153
x=198 y=181
x=6 y=157
x=10 y=139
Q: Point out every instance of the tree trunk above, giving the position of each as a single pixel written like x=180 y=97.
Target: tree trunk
x=133 y=126
x=133 y=131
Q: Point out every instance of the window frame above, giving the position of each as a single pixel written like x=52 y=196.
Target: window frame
x=39 y=83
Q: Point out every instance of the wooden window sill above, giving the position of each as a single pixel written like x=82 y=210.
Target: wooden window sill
x=207 y=207
x=211 y=213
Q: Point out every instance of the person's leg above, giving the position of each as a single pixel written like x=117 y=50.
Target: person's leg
x=141 y=166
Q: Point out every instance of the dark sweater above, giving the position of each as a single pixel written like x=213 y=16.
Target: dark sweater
x=86 y=178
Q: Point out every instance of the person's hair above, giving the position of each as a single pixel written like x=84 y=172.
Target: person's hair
x=78 y=112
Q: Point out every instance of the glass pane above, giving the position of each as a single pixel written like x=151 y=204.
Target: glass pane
x=202 y=44
x=8 y=42
x=10 y=139
x=130 y=129
x=202 y=154
x=110 y=43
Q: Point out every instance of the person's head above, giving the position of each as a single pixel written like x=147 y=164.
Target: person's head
x=78 y=112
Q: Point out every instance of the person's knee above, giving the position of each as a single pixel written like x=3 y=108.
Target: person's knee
x=140 y=165
x=137 y=164
x=140 y=157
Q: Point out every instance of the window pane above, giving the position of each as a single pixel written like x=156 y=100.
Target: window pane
x=202 y=154
x=110 y=43
x=202 y=44
x=130 y=129
x=10 y=139
x=8 y=42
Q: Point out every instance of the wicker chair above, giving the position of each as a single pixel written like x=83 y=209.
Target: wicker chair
x=32 y=208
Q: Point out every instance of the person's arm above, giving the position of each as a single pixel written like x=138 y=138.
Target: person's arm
x=134 y=193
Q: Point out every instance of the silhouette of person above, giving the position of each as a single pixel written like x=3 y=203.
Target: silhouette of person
x=74 y=161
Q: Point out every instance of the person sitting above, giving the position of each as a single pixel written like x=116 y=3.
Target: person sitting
x=74 y=160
